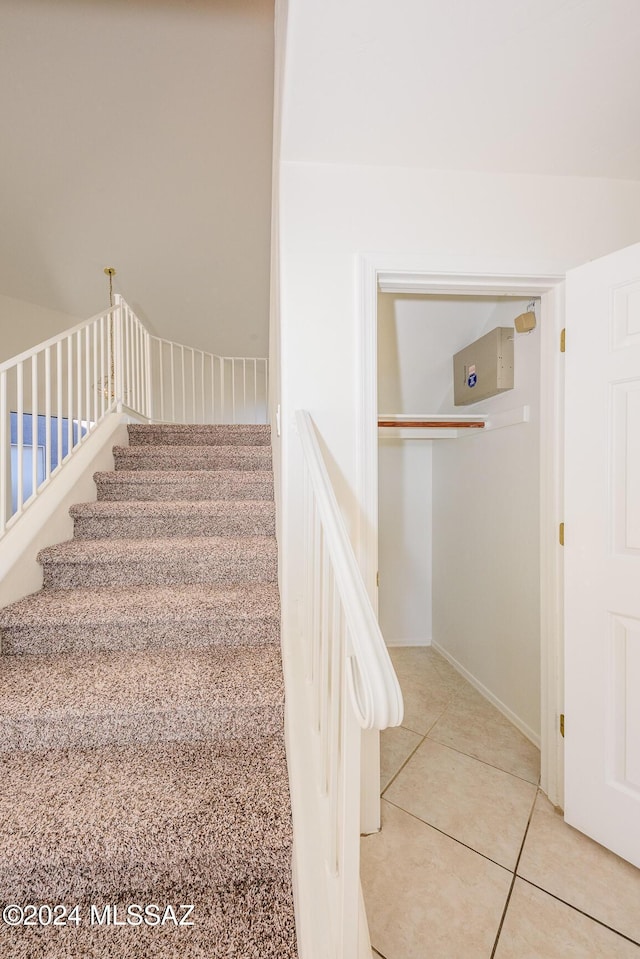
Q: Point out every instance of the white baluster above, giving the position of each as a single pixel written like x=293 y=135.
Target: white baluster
x=69 y=394
x=87 y=375
x=184 y=386
x=20 y=434
x=204 y=417
x=78 y=414
x=59 y=395
x=34 y=424
x=47 y=413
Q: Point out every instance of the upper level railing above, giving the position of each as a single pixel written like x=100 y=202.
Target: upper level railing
x=54 y=395
x=352 y=686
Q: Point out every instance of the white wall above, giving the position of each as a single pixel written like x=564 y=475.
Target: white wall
x=530 y=87
x=330 y=215
x=138 y=135
x=417 y=336
x=404 y=538
x=23 y=325
x=486 y=533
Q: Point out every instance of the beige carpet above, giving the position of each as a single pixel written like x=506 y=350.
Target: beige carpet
x=141 y=699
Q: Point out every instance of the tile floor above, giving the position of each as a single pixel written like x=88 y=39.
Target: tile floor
x=472 y=861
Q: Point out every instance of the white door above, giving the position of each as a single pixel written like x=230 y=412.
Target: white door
x=602 y=551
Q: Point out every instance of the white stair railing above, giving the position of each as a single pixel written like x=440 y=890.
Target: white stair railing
x=352 y=687
x=54 y=395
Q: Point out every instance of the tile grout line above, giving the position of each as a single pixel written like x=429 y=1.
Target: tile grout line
x=423 y=737
x=446 y=834
x=413 y=751
x=587 y=915
x=515 y=876
x=484 y=761
x=398 y=771
x=460 y=752
x=428 y=736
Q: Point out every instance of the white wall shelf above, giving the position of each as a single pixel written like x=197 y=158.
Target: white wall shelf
x=441 y=426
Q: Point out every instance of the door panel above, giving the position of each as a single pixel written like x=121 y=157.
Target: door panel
x=602 y=552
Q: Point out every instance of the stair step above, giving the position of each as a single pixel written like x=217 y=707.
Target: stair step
x=192 y=457
x=84 y=700
x=249 y=920
x=185 y=485
x=143 y=520
x=175 y=434
x=142 y=706
x=120 y=562
x=141 y=617
x=157 y=821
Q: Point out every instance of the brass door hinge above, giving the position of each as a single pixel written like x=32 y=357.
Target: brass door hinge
x=378 y=578
x=563 y=340
x=561 y=534
x=562 y=725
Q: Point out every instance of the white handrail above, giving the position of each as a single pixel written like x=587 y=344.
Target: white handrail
x=52 y=341
x=59 y=391
x=376 y=695
x=353 y=687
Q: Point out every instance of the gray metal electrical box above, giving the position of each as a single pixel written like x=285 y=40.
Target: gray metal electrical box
x=484 y=368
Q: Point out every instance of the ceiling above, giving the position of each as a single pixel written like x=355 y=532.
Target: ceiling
x=507 y=86
x=137 y=134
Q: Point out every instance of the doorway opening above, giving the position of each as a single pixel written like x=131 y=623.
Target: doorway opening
x=459 y=508
x=409 y=275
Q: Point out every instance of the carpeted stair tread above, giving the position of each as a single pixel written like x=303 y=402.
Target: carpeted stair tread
x=192 y=485
x=131 y=519
x=138 y=617
x=192 y=457
x=120 y=562
x=202 y=435
x=141 y=603
x=251 y=920
x=161 y=820
x=144 y=697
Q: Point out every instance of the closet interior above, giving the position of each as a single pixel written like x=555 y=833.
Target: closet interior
x=459 y=492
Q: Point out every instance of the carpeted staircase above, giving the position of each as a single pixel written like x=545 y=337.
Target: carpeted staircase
x=141 y=706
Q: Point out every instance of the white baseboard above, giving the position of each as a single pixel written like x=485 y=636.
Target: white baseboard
x=421 y=641
x=510 y=715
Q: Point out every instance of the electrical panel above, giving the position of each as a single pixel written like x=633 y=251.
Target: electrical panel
x=484 y=368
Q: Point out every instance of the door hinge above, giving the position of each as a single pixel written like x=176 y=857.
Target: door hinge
x=562 y=725
x=378 y=578
x=563 y=340
x=561 y=534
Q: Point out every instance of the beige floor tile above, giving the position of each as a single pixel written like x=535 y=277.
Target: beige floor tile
x=574 y=868
x=447 y=671
x=475 y=727
x=481 y=806
x=426 y=683
x=539 y=927
x=425 y=659
x=396 y=745
x=427 y=895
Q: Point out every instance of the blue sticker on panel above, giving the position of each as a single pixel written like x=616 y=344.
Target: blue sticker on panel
x=472 y=379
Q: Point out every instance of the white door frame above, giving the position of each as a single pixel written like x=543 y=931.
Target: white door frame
x=411 y=274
